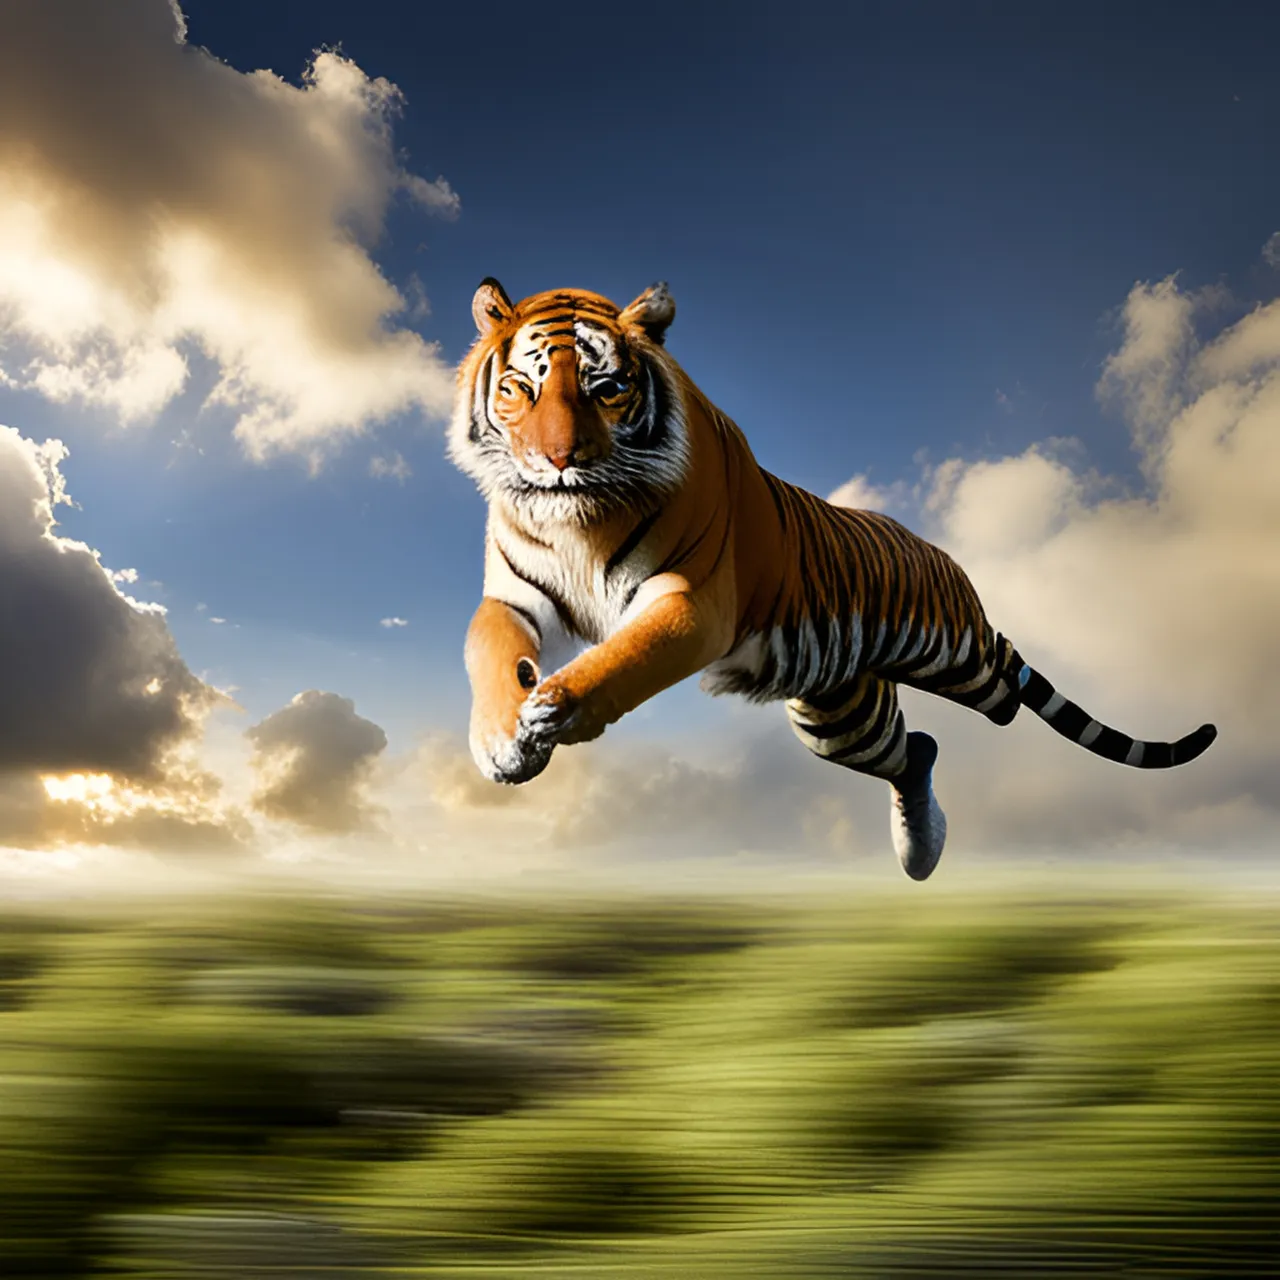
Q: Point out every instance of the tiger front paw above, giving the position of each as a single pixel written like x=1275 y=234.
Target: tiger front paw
x=552 y=713
x=510 y=760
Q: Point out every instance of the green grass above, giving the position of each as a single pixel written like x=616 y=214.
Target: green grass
x=897 y=1086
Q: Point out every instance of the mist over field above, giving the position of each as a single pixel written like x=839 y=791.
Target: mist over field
x=985 y=1081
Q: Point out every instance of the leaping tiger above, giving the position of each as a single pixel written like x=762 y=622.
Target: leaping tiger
x=633 y=540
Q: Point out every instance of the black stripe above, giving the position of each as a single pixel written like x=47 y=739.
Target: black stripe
x=562 y=611
x=1004 y=710
x=852 y=720
x=631 y=542
x=869 y=766
x=979 y=693
x=769 y=670
x=506 y=559
x=888 y=707
x=1072 y=720
x=1111 y=744
x=1157 y=755
x=836 y=699
x=486 y=373
x=650 y=430
x=821 y=623
x=527 y=616
x=949 y=677
x=930 y=654
x=1036 y=692
x=774 y=486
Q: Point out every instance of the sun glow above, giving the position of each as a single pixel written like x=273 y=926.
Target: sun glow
x=93 y=790
x=103 y=795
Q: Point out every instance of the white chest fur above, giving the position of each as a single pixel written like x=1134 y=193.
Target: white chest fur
x=561 y=579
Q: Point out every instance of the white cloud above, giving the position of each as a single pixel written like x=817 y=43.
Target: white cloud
x=155 y=202
x=1271 y=250
x=393 y=622
x=858 y=491
x=1155 y=610
x=390 y=467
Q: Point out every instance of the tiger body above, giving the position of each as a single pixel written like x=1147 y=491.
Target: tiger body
x=634 y=540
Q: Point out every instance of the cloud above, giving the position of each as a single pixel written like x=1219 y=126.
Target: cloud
x=1155 y=609
x=390 y=467
x=92 y=686
x=392 y=622
x=1155 y=605
x=184 y=816
x=621 y=799
x=858 y=491
x=90 y=679
x=1271 y=250
x=156 y=203
x=313 y=759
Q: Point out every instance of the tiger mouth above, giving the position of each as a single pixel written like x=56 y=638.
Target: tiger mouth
x=577 y=483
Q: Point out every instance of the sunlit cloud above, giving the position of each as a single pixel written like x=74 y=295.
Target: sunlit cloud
x=313 y=759
x=1154 y=607
x=156 y=203
x=101 y=715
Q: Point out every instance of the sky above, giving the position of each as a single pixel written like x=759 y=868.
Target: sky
x=1008 y=272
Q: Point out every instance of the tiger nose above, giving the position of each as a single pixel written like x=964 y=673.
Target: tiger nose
x=574 y=455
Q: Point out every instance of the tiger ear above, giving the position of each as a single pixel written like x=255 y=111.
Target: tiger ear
x=491 y=306
x=653 y=311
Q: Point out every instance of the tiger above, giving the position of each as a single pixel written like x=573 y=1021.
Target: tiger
x=633 y=540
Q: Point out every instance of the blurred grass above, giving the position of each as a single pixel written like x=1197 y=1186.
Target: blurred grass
x=895 y=1086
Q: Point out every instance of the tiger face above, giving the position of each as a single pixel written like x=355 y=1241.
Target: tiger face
x=568 y=407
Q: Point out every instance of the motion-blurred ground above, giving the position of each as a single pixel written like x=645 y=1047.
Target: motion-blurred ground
x=888 y=1087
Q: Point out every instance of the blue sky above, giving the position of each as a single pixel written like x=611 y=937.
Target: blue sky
x=896 y=234
x=872 y=222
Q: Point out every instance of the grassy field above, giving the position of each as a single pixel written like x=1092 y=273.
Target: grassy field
x=895 y=1086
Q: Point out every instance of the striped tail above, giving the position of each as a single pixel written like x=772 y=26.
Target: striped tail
x=1075 y=723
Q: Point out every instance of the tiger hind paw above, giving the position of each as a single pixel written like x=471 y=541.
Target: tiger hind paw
x=916 y=820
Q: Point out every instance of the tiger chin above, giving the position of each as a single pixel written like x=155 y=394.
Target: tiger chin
x=634 y=540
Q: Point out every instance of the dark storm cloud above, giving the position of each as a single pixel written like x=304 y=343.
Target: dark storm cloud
x=89 y=681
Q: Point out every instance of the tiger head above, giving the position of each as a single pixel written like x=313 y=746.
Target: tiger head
x=568 y=407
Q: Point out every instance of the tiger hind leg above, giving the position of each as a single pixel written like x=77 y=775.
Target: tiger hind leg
x=861 y=727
